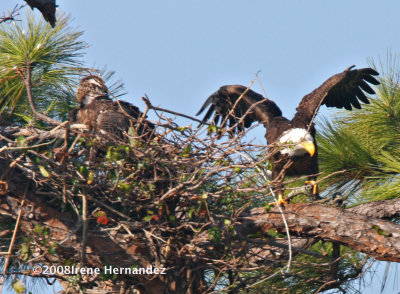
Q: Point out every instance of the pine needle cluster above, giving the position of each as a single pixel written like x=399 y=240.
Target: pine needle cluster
x=53 y=55
x=365 y=144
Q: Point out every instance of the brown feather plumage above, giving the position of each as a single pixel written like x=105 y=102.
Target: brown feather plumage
x=102 y=115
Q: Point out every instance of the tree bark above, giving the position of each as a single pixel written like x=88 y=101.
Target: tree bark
x=372 y=236
x=379 y=209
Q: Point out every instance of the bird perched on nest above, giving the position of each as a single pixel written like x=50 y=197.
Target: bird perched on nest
x=292 y=147
x=47 y=8
x=107 y=118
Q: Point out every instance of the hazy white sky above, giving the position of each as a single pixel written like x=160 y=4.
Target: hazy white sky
x=180 y=51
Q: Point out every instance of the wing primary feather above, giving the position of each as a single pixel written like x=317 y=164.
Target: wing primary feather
x=366 y=87
x=232 y=104
x=208 y=114
x=208 y=101
x=361 y=95
x=354 y=101
x=369 y=71
x=343 y=90
x=370 y=79
x=216 y=119
x=344 y=99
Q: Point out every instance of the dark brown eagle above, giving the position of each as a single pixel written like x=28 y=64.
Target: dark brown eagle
x=292 y=147
x=47 y=8
x=105 y=117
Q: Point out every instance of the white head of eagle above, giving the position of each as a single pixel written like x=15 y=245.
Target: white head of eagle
x=299 y=142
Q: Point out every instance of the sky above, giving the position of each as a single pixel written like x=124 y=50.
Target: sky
x=178 y=52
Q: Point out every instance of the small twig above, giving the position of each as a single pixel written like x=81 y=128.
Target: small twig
x=71 y=148
x=30 y=147
x=149 y=105
x=91 y=198
x=249 y=110
x=261 y=84
x=84 y=229
x=281 y=212
x=141 y=119
x=14 y=236
x=13 y=14
x=237 y=102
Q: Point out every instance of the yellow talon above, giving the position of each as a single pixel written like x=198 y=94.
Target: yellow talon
x=280 y=201
x=314 y=185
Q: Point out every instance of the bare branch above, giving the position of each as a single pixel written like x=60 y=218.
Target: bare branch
x=12 y=14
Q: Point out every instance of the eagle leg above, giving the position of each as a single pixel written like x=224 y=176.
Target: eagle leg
x=280 y=202
x=314 y=192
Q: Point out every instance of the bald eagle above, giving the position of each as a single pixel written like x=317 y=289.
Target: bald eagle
x=292 y=146
x=105 y=117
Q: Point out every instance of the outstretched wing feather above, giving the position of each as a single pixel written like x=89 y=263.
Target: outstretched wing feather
x=341 y=90
x=249 y=107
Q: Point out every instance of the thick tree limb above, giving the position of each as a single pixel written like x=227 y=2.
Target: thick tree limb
x=377 y=238
x=379 y=209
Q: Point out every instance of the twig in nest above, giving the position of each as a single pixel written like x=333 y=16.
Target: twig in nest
x=7 y=262
x=85 y=228
x=149 y=105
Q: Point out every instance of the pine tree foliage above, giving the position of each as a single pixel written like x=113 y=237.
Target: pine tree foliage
x=53 y=55
x=365 y=144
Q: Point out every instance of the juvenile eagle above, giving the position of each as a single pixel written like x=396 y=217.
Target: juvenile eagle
x=300 y=155
x=111 y=119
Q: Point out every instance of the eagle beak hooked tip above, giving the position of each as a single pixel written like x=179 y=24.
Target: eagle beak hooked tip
x=309 y=147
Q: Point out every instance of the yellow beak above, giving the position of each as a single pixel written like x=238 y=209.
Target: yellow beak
x=309 y=146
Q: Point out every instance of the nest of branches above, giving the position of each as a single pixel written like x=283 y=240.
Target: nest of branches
x=173 y=201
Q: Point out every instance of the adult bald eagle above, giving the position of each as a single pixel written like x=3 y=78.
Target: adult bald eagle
x=107 y=118
x=292 y=147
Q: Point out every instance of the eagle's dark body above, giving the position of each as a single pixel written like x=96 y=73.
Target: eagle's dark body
x=47 y=8
x=343 y=90
x=107 y=118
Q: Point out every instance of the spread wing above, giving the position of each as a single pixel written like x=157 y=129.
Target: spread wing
x=343 y=90
x=233 y=104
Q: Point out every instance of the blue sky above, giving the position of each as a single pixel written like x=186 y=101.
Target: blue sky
x=179 y=52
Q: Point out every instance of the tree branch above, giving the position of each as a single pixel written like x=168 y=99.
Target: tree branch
x=12 y=15
x=377 y=238
x=379 y=209
x=28 y=85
